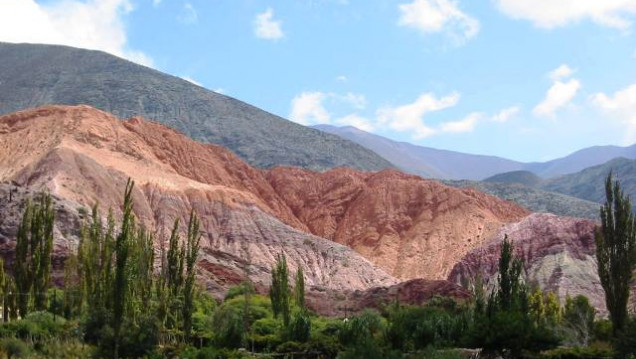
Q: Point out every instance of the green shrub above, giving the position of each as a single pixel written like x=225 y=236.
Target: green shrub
x=238 y=290
x=603 y=330
x=300 y=327
x=37 y=326
x=66 y=350
x=137 y=339
x=14 y=348
x=578 y=353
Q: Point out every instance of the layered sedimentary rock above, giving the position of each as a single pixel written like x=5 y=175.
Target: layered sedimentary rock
x=355 y=234
x=559 y=255
x=411 y=227
x=84 y=156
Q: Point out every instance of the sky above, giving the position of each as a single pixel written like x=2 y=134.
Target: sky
x=526 y=80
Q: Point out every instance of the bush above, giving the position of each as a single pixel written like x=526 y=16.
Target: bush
x=300 y=328
x=66 y=350
x=578 y=353
x=36 y=326
x=603 y=330
x=13 y=348
x=137 y=339
x=626 y=339
x=365 y=327
x=239 y=290
x=213 y=353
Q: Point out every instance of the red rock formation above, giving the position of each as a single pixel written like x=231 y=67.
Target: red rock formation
x=411 y=227
x=408 y=226
x=83 y=155
x=558 y=252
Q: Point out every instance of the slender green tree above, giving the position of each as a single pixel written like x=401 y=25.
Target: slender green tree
x=120 y=287
x=44 y=224
x=175 y=260
x=191 y=255
x=279 y=290
x=615 y=251
x=299 y=289
x=22 y=267
x=511 y=290
x=32 y=265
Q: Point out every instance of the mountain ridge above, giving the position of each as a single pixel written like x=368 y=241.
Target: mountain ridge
x=35 y=75
x=453 y=165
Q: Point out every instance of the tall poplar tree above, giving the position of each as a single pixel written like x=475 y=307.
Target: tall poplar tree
x=191 y=253
x=279 y=292
x=122 y=244
x=615 y=251
x=32 y=265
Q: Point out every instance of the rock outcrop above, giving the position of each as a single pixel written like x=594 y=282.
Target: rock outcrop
x=559 y=255
x=411 y=227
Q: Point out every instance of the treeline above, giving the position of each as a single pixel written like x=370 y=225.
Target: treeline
x=112 y=297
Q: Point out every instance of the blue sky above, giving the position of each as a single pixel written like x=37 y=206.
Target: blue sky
x=527 y=80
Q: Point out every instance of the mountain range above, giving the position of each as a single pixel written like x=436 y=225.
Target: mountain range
x=588 y=184
x=442 y=164
x=35 y=75
x=356 y=225
x=349 y=230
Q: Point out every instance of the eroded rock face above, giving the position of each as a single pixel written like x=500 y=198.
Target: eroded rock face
x=82 y=155
x=559 y=255
x=411 y=227
x=400 y=226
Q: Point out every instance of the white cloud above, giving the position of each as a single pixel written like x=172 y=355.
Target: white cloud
x=410 y=117
x=308 y=109
x=505 y=114
x=561 y=72
x=92 y=24
x=555 y=13
x=433 y=16
x=358 y=101
x=466 y=125
x=560 y=93
x=343 y=78
x=188 y=14
x=265 y=27
x=156 y=2
x=621 y=105
x=356 y=121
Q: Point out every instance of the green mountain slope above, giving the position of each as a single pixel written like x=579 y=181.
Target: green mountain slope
x=534 y=199
x=34 y=75
x=589 y=184
x=522 y=177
